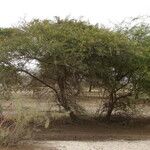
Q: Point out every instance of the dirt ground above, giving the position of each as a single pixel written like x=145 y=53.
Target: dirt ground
x=90 y=145
x=84 y=145
x=99 y=132
x=87 y=134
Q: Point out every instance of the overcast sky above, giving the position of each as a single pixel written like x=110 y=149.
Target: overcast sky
x=96 y=11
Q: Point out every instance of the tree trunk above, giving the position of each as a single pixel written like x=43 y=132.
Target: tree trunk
x=136 y=94
x=112 y=101
x=109 y=113
x=73 y=117
x=63 y=100
x=78 y=90
x=62 y=94
x=90 y=87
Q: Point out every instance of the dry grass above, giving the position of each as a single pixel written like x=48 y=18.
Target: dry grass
x=25 y=114
x=17 y=123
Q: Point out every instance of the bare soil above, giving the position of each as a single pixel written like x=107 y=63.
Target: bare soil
x=87 y=130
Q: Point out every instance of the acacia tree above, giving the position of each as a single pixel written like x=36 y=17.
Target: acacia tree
x=114 y=62
x=138 y=30
x=65 y=52
x=57 y=49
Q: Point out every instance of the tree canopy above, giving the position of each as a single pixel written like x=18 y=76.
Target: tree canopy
x=68 y=52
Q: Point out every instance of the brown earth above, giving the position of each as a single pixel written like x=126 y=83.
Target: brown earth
x=87 y=130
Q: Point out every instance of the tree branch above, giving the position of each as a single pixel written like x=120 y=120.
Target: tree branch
x=41 y=81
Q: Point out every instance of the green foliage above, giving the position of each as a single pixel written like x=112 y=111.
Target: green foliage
x=68 y=52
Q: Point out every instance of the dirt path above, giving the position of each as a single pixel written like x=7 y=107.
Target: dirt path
x=88 y=145
x=107 y=145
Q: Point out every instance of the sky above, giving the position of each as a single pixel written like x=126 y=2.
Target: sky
x=107 y=12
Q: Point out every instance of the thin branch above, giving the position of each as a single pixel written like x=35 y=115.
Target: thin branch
x=35 y=77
